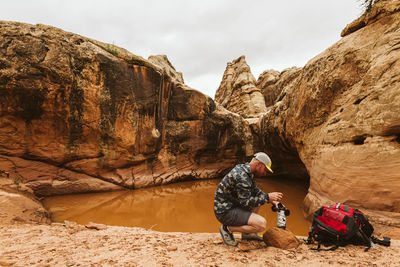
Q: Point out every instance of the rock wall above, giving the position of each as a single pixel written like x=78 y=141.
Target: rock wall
x=78 y=115
x=336 y=120
x=340 y=115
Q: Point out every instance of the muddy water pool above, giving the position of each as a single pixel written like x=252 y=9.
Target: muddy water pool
x=180 y=207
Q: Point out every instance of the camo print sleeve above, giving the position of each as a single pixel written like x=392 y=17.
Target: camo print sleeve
x=246 y=196
x=260 y=193
x=237 y=189
x=224 y=196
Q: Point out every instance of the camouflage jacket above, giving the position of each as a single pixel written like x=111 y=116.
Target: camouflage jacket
x=238 y=189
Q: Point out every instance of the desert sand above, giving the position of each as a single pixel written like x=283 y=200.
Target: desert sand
x=70 y=244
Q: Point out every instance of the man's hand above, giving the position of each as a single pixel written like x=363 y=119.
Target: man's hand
x=275 y=203
x=275 y=197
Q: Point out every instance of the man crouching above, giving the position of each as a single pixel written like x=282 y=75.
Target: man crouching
x=237 y=200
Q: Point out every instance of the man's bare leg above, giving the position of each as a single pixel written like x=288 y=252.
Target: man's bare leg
x=256 y=224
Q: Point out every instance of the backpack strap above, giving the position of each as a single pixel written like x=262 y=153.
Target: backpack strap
x=333 y=248
x=346 y=208
x=368 y=241
x=310 y=238
x=385 y=242
x=318 y=248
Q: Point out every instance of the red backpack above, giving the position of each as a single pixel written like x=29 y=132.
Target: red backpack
x=340 y=225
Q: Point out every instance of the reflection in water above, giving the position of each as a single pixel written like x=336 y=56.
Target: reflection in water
x=180 y=207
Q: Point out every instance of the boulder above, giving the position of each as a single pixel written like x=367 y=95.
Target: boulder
x=281 y=238
x=18 y=205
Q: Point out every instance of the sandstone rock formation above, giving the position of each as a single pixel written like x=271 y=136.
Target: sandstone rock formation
x=336 y=120
x=163 y=62
x=238 y=92
x=380 y=9
x=237 y=85
x=339 y=116
x=265 y=81
x=78 y=115
x=272 y=84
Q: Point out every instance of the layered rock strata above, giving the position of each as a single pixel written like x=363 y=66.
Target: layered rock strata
x=78 y=115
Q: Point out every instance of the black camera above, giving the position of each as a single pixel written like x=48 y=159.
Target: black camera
x=282 y=213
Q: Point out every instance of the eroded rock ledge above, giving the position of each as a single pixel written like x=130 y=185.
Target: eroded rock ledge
x=78 y=115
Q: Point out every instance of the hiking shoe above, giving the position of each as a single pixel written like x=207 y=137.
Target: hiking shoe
x=252 y=236
x=227 y=236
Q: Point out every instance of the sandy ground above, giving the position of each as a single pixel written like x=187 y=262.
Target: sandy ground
x=75 y=245
x=27 y=239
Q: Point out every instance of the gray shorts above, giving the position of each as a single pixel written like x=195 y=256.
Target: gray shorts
x=234 y=217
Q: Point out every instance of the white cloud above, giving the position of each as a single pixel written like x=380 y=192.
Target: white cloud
x=200 y=37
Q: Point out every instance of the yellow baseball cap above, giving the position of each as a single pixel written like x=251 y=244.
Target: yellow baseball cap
x=262 y=157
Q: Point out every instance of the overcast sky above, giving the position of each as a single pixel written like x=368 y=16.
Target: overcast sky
x=200 y=37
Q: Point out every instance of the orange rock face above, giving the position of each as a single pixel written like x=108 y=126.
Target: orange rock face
x=77 y=115
x=336 y=121
x=341 y=115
